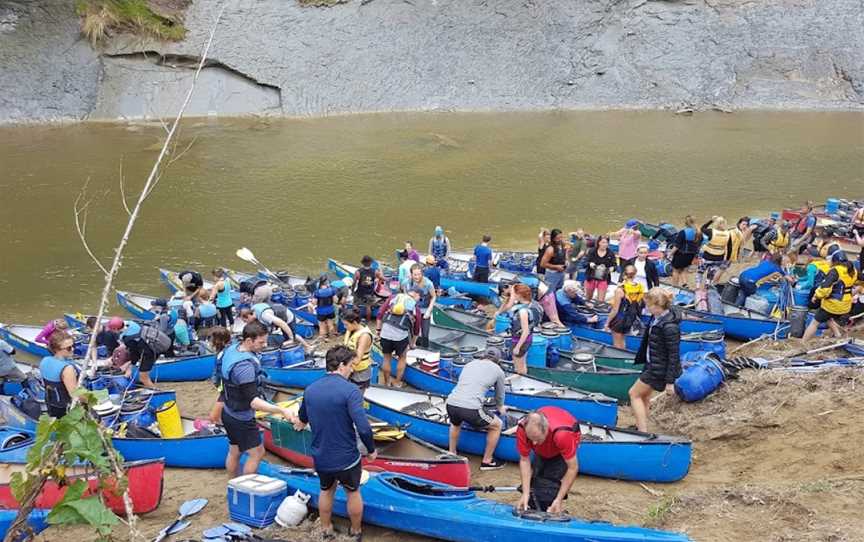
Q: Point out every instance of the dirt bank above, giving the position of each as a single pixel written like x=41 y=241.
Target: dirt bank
x=777 y=457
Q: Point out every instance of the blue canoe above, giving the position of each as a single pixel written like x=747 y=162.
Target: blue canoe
x=191 y=451
x=604 y=451
x=342 y=270
x=38 y=521
x=409 y=504
x=136 y=304
x=697 y=342
x=738 y=323
x=23 y=339
x=302 y=374
x=523 y=392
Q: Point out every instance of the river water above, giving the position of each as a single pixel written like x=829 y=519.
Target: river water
x=299 y=191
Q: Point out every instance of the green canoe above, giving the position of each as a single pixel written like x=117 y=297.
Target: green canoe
x=613 y=375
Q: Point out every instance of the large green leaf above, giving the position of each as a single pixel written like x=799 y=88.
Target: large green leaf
x=89 y=511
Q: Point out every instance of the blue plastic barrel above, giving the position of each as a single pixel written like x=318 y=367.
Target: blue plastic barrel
x=502 y=323
x=269 y=357
x=565 y=339
x=653 y=245
x=292 y=355
x=301 y=299
x=118 y=383
x=97 y=383
x=304 y=329
x=445 y=367
x=281 y=298
x=832 y=205
x=537 y=351
x=716 y=346
x=802 y=297
x=699 y=379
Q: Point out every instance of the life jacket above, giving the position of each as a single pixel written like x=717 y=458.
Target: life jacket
x=425 y=296
x=634 y=292
x=801 y=225
x=535 y=316
x=692 y=240
x=630 y=308
x=324 y=298
x=837 y=297
x=540 y=251
x=737 y=240
x=223 y=297
x=216 y=377
x=197 y=280
x=365 y=282
x=716 y=246
x=400 y=312
x=780 y=241
x=207 y=315
x=56 y=395
x=279 y=311
x=351 y=341
x=439 y=247
x=231 y=390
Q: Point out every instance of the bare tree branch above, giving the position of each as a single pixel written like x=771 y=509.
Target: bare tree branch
x=122 y=190
x=184 y=151
x=81 y=227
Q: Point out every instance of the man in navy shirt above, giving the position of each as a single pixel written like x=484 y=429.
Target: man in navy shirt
x=482 y=260
x=333 y=406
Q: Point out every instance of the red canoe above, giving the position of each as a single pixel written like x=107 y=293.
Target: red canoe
x=407 y=455
x=145 y=488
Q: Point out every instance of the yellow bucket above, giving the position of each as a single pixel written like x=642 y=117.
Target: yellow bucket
x=170 y=424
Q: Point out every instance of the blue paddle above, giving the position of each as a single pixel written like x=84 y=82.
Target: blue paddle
x=188 y=508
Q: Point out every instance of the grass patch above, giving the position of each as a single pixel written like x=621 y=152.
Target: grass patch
x=818 y=486
x=100 y=18
x=659 y=512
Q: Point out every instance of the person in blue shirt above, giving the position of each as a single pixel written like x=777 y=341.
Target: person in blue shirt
x=482 y=260
x=432 y=272
x=428 y=295
x=59 y=374
x=766 y=272
x=241 y=389
x=568 y=301
x=324 y=301
x=333 y=407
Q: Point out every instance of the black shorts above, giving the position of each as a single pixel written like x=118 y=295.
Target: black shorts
x=349 y=478
x=481 y=274
x=682 y=260
x=656 y=385
x=479 y=419
x=243 y=434
x=394 y=347
x=147 y=360
x=823 y=316
x=325 y=317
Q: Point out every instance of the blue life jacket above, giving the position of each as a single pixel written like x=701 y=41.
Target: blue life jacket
x=439 y=247
x=324 y=298
x=231 y=357
x=535 y=316
x=56 y=394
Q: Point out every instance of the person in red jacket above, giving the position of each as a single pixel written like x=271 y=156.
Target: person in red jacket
x=553 y=435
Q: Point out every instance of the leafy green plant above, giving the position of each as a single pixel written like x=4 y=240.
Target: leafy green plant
x=74 y=442
x=659 y=511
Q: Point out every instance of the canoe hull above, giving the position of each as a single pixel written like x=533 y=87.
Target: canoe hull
x=479 y=520
x=301 y=377
x=23 y=345
x=205 y=452
x=632 y=342
x=456 y=471
x=612 y=384
x=186 y=369
x=145 y=489
x=640 y=461
x=38 y=520
x=141 y=313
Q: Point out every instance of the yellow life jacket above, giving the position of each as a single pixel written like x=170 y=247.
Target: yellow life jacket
x=837 y=298
x=779 y=242
x=634 y=292
x=716 y=246
x=351 y=340
x=737 y=241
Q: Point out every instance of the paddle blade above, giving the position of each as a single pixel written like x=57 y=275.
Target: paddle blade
x=246 y=255
x=192 y=507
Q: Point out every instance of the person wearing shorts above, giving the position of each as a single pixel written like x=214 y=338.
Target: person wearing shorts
x=324 y=300
x=398 y=326
x=241 y=379
x=834 y=296
x=465 y=405
x=333 y=406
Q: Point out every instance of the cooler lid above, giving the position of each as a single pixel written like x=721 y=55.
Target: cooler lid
x=257 y=484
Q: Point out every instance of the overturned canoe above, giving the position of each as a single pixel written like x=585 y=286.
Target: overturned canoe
x=414 y=505
x=604 y=451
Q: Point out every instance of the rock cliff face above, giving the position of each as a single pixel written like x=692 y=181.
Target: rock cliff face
x=275 y=57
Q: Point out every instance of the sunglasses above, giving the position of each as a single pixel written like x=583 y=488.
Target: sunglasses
x=66 y=348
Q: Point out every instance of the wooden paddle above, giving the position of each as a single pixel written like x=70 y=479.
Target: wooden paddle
x=834 y=346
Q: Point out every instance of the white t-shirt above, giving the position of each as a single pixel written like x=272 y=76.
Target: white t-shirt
x=641 y=277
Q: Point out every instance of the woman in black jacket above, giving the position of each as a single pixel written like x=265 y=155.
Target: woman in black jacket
x=659 y=352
